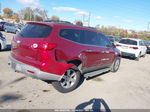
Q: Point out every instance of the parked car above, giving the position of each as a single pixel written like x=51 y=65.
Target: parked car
x=3 y=42
x=147 y=44
x=11 y=27
x=134 y=48
x=62 y=53
x=114 y=39
x=2 y=25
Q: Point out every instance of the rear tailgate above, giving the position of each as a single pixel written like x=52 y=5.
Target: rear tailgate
x=26 y=42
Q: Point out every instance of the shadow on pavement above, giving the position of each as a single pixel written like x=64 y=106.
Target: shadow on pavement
x=90 y=78
x=9 y=98
x=12 y=82
x=97 y=105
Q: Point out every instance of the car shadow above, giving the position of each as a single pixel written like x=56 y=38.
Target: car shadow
x=82 y=79
x=128 y=58
x=98 y=105
x=12 y=82
x=9 y=98
x=90 y=78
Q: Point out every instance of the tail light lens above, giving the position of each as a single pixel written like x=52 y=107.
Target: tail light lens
x=134 y=48
x=47 y=46
x=118 y=45
x=44 y=46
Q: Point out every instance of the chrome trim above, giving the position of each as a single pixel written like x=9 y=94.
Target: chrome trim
x=24 y=68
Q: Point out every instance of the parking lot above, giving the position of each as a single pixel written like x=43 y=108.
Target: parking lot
x=129 y=88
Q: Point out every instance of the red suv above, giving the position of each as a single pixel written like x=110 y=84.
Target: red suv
x=62 y=53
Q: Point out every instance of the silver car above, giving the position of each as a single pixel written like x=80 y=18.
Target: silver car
x=11 y=27
x=3 y=43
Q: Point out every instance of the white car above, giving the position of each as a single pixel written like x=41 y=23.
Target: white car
x=3 y=43
x=134 y=48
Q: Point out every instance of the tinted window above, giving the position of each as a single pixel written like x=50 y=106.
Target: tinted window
x=74 y=35
x=128 y=41
x=141 y=43
x=104 y=41
x=84 y=37
x=91 y=38
x=35 y=31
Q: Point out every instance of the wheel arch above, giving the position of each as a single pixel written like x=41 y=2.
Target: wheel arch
x=77 y=63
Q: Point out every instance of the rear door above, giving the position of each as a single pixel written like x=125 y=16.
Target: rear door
x=26 y=42
x=95 y=53
x=108 y=50
x=143 y=47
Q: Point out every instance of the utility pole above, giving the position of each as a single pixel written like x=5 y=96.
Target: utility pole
x=148 y=26
x=89 y=19
x=86 y=18
x=0 y=8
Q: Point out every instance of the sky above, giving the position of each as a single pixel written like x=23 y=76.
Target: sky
x=126 y=14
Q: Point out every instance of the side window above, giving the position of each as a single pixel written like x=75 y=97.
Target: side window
x=91 y=38
x=104 y=41
x=74 y=35
x=141 y=43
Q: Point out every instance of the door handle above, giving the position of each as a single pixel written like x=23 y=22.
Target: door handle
x=89 y=50
x=102 y=51
x=105 y=52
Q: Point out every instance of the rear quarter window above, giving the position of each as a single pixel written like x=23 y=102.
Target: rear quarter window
x=35 y=31
x=128 y=42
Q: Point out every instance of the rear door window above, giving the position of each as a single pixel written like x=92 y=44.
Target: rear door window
x=35 y=31
x=104 y=41
x=128 y=41
x=74 y=35
x=91 y=38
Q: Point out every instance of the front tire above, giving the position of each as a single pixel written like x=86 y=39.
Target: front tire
x=116 y=65
x=69 y=81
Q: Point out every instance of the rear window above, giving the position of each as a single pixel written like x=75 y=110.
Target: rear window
x=128 y=41
x=35 y=31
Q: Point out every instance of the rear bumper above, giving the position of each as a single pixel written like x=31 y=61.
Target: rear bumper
x=31 y=71
x=128 y=54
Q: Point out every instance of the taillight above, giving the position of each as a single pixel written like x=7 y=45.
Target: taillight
x=134 y=48
x=44 y=46
x=47 y=46
x=118 y=45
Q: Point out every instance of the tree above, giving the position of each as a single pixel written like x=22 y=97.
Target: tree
x=38 y=18
x=79 y=23
x=33 y=14
x=54 y=18
x=15 y=16
x=8 y=12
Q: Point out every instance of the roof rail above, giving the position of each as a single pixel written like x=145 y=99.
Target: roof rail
x=58 y=22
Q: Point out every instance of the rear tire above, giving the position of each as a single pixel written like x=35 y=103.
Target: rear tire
x=138 y=58
x=69 y=82
x=116 y=65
